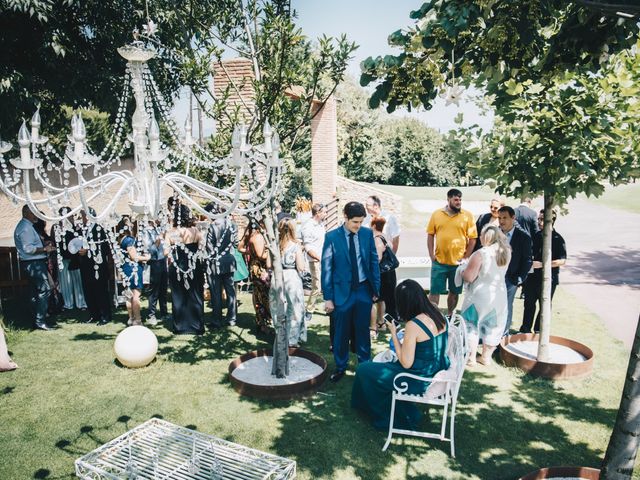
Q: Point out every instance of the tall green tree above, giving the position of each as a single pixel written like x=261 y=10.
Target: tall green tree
x=419 y=155
x=566 y=113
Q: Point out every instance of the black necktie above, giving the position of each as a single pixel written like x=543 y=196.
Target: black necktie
x=355 y=276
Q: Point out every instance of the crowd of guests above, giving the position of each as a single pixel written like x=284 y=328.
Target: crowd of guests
x=489 y=257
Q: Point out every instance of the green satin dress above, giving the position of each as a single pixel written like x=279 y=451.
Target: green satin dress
x=373 y=385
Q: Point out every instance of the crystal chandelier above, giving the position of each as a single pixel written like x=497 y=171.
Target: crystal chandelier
x=160 y=168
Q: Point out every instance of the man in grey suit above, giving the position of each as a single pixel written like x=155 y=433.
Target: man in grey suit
x=350 y=284
x=222 y=239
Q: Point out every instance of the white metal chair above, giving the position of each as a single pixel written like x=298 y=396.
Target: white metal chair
x=443 y=390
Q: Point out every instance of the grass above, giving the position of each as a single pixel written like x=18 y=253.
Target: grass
x=622 y=197
x=68 y=397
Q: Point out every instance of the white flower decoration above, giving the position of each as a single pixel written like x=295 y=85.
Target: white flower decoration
x=452 y=95
x=150 y=28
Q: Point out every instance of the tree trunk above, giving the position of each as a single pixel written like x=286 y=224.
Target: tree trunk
x=545 y=294
x=276 y=299
x=625 y=439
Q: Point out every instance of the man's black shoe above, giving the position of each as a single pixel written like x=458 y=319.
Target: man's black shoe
x=103 y=321
x=42 y=326
x=336 y=376
x=89 y=320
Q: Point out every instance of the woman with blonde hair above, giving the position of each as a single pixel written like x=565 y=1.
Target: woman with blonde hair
x=293 y=265
x=485 y=304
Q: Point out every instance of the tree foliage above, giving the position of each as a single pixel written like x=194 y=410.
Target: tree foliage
x=494 y=45
x=374 y=147
x=419 y=155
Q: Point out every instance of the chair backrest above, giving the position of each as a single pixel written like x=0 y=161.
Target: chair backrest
x=457 y=358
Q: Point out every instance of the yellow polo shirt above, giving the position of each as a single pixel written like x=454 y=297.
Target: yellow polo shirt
x=452 y=233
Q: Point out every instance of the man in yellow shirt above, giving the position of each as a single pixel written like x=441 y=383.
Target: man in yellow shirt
x=454 y=232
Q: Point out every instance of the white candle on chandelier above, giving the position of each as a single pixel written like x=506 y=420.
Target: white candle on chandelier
x=243 y=136
x=35 y=126
x=275 y=155
x=154 y=139
x=267 y=132
x=236 y=144
x=24 y=141
x=79 y=136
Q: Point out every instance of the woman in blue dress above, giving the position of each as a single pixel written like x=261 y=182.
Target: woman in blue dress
x=423 y=352
x=132 y=268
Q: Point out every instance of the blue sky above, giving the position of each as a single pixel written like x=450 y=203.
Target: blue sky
x=368 y=23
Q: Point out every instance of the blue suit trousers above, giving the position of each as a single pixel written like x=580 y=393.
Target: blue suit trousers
x=353 y=316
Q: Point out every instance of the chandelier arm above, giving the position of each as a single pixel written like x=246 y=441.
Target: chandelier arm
x=275 y=187
x=209 y=189
x=33 y=203
x=197 y=207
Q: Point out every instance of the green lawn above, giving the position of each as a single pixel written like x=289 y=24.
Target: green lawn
x=68 y=397
x=622 y=197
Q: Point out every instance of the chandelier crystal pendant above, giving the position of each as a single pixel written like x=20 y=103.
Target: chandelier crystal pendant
x=160 y=169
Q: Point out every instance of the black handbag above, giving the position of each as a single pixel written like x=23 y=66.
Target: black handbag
x=389 y=260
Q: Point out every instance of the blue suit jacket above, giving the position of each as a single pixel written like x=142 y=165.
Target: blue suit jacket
x=336 y=264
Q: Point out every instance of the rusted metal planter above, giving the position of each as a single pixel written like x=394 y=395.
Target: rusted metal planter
x=563 y=472
x=279 y=392
x=554 y=371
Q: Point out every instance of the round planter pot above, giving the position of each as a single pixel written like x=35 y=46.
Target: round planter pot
x=279 y=392
x=555 y=371
x=563 y=472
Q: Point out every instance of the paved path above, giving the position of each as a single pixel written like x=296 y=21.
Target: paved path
x=603 y=268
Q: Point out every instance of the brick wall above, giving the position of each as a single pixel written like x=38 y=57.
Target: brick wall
x=236 y=75
x=324 y=152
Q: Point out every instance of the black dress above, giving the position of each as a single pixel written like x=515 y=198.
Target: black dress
x=187 y=298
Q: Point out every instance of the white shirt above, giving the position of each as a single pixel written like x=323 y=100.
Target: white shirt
x=391 y=228
x=312 y=234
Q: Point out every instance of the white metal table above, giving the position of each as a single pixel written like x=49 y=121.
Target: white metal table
x=160 y=450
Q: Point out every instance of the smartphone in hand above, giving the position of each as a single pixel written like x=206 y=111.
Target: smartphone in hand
x=389 y=318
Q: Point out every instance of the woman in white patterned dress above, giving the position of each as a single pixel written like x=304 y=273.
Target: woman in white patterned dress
x=485 y=302
x=292 y=264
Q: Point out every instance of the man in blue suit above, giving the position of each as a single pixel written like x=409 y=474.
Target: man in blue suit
x=350 y=284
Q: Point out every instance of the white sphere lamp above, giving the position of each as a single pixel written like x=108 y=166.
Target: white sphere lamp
x=135 y=346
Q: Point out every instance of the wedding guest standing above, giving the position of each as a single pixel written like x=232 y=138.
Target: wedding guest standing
x=485 y=303
x=451 y=237
x=33 y=259
x=350 y=285
x=312 y=234
x=132 y=268
x=253 y=245
x=95 y=256
x=386 y=302
x=293 y=265
x=221 y=241
x=69 y=277
x=520 y=263
x=533 y=285
x=186 y=272
x=158 y=273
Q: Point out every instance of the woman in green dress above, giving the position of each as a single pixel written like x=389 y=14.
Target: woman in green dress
x=423 y=352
